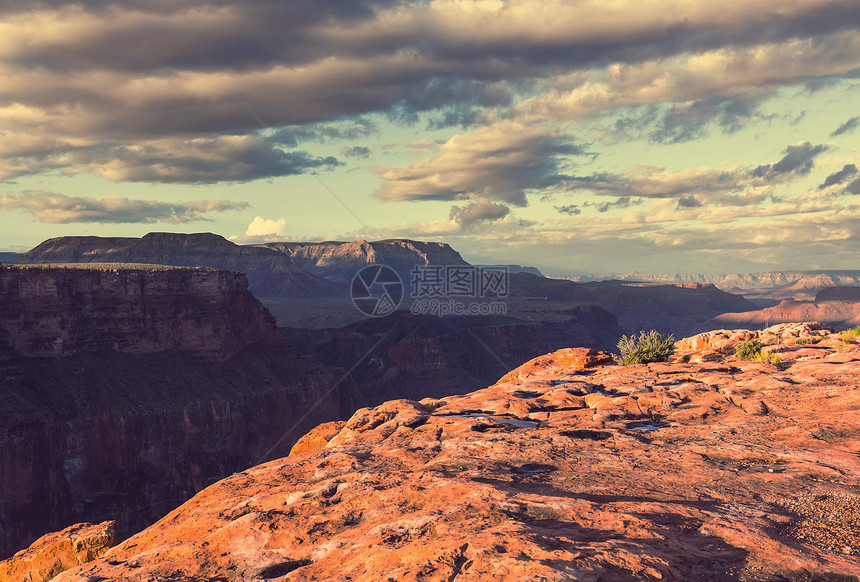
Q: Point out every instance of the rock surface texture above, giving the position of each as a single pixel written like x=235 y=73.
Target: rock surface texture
x=56 y=552
x=566 y=469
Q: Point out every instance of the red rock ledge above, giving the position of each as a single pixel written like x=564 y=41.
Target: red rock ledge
x=722 y=470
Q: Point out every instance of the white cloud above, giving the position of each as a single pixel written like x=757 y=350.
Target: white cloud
x=260 y=227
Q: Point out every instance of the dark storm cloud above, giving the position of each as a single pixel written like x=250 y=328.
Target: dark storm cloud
x=847 y=127
x=56 y=208
x=853 y=187
x=839 y=177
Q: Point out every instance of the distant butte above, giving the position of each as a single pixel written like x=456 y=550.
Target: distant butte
x=568 y=468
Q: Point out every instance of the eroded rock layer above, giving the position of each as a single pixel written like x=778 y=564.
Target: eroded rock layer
x=566 y=469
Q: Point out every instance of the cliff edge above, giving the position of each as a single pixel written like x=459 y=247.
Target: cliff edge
x=568 y=468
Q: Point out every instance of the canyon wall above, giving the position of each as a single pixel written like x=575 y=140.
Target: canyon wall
x=125 y=391
x=65 y=311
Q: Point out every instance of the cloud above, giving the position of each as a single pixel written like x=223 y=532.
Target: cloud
x=482 y=210
x=500 y=162
x=131 y=76
x=569 y=209
x=839 y=177
x=260 y=227
x=232 y=158
x=622 y=202
x=798 y=159
x=847 y=127
x=689 y=202
x=54 y=208
x=725 y=83
x=360 y=152
x=853 y=187
x=689 y=120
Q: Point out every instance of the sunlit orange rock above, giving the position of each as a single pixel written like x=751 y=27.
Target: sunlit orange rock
x=56 y=552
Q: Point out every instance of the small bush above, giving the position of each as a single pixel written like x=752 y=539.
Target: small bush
x=850 y=335
x=770 y=358
x=748 y=350
x=808 y=340
x=651 y=346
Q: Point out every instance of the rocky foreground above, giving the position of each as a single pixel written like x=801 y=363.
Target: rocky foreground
x=568 y=468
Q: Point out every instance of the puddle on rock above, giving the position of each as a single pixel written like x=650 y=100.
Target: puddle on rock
x=645 y=425
x=501 y=420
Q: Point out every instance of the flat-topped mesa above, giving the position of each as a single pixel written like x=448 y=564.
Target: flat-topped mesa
x=135 y=309
x=340 y=261
x=268 y=270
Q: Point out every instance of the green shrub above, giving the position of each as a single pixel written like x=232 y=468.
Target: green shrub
x=850 y=335
x=751 y=350
x=748 y=350
x=651 y=346
x=808 y=340
x=770 y=358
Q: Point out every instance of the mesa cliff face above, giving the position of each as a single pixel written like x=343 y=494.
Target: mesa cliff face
x=125 y=391
x=340 y=261
x=65 y=311
x=565 y=469
x=838 y=308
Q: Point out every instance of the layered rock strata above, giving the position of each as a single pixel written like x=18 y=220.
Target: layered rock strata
x=55 y=311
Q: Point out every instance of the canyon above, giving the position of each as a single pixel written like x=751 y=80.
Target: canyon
x=306 y=285
x=126 y=389
x=706 y=467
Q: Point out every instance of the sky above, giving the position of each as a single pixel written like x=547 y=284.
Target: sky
x=583 y=136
